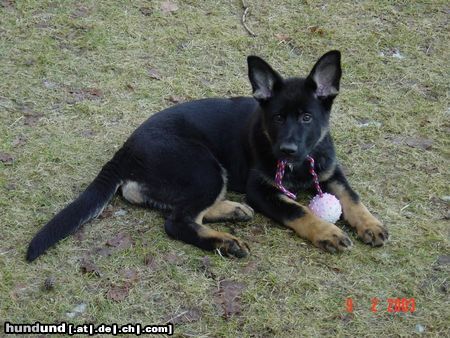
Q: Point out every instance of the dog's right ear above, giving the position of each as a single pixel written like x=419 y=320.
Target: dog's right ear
x=263 y=78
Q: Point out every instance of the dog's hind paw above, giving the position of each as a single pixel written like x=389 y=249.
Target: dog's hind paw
x=232 y=246
x=229 y=211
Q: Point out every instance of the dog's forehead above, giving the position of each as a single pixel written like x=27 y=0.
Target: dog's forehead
x=296 y=97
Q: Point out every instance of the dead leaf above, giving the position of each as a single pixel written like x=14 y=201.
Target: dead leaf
x=184 y=316
x=8 y=3
x=32 y=119
x=169 y=7
x=147 y=11
x=150 y=262
x=419 y=142
x=107 y=212
x=10 y=186
x=85 y=94
x=102 y=251
x=228 y=296
x=176 y=99
x=6 y=158
x=121 y=241
x=130 y=275
x=49 y=283
x=173 y=258
x=19 y=141
x=118 y=293
x=89 y=133
x=80 y=12
x=79 y=234
x=443 y=260
x=250 y=267
x=18 y=291
x=205 y=265
x=367 y=146
x=413 y=142
x=316 y=30
x=283 y=37
x=154 y=74
x=87 y=266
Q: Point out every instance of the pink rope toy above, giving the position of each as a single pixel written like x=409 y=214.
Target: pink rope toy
x=323 y=205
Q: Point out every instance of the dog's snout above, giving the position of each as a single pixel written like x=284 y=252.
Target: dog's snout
x=288 y=148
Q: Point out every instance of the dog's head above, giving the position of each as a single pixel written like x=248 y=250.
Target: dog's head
x=295 y=111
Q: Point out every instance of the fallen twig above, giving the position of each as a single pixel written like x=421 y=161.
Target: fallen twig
x=244 y=18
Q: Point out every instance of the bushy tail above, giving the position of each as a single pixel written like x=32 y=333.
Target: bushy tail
x=87 y=206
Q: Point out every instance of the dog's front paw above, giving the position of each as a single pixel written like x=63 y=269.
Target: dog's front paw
x=373 y=232
x=332 y=239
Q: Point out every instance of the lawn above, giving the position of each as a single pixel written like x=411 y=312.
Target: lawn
x=77 y=77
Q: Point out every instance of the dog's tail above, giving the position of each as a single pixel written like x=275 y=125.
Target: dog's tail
x=87 y=206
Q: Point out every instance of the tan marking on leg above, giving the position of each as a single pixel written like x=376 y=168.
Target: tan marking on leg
x=131 y=191
x=322 y=234
x=226 y=243
x=368 y=228
x=228 y=210
x=220 y=197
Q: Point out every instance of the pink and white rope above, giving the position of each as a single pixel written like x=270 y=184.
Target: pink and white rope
x=281 y=167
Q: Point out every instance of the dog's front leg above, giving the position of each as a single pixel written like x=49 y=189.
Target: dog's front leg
x=368 y=228
x=265 y=197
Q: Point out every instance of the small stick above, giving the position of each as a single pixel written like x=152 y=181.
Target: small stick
x=244 y=18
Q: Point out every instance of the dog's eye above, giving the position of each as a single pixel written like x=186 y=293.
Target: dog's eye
x=306 y=118
x=278 y=118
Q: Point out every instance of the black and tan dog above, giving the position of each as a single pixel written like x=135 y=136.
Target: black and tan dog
x=182 y=161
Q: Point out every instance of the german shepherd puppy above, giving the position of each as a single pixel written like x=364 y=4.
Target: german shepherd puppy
x=183 y=159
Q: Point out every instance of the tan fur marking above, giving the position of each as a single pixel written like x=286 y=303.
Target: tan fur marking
x=226 y=243
x=325 y=175
x=220 y=197
x=355 y=214
x=224 y=210
x=367 y=226
x=322 y=234
x=312 y=228
x=132 y=192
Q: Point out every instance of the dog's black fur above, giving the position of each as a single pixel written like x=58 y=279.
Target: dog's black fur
x=182 y=159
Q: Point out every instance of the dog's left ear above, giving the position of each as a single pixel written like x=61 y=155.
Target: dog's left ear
x=265 y=81
x=325 y=76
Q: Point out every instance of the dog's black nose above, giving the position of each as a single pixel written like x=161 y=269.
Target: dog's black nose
x=288 y=148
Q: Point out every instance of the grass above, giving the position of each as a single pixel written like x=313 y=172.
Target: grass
x=82 y=69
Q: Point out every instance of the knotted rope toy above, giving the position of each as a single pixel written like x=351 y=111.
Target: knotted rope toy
x=323 y=205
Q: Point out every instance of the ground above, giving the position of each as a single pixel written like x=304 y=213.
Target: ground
x=78 y=77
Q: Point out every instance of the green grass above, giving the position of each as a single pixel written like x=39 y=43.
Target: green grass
x=85 y=69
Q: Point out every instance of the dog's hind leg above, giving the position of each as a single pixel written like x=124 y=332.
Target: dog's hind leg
x=228 y=211
x=185 y=221
x=194 y=186
x=187 y=230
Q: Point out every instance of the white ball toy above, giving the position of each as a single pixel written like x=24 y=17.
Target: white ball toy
x=326 y=207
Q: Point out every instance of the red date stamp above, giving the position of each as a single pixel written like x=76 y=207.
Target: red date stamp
x=392 y=305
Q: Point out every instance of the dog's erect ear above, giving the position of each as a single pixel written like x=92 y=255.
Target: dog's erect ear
x=326 y=74
x=263 y=78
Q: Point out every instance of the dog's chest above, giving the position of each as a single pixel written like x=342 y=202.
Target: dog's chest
x=297 y=178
